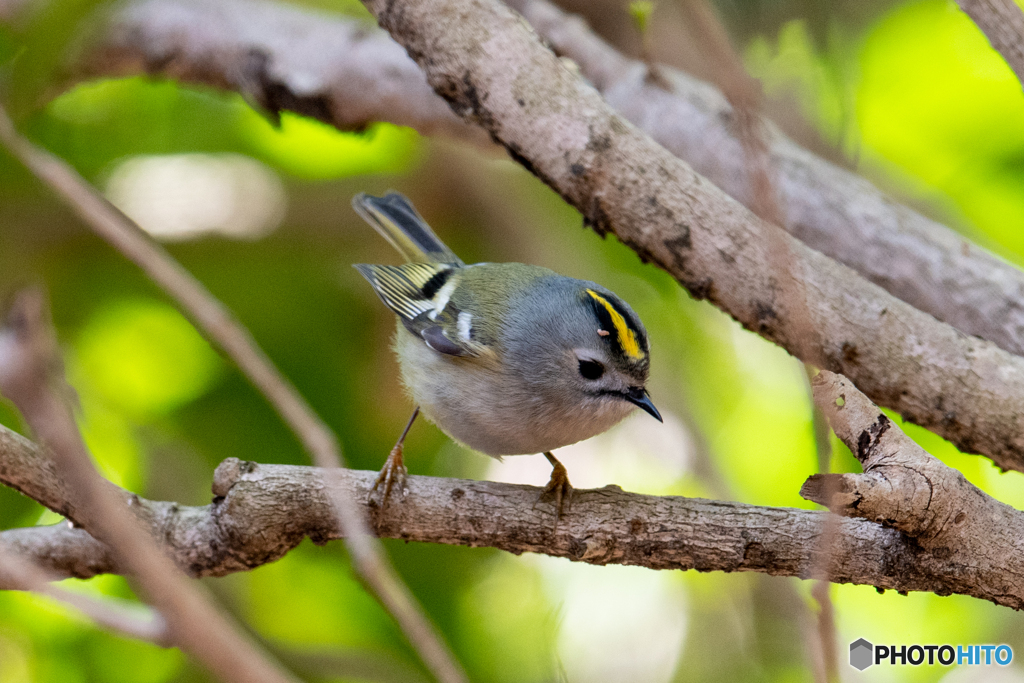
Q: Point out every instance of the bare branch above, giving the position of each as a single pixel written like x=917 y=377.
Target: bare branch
x=1002 y=22
x=218 y=325
x=745 y=95
x=31 y=377
x=826 y=631
x=341 y=74
x=339 y=71
x=832 y=210
x=260 y=512
x=62 y=549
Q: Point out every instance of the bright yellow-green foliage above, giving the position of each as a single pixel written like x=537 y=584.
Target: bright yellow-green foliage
x=310 y=149
x=143 y=357
x=938 y=102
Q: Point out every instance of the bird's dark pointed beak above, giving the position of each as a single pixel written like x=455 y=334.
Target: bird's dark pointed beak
x=639 y=397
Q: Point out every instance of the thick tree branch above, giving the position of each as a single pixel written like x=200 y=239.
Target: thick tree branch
x=334 y=70
x=1002 y=22
x=876 y=341
x=905 y=488
x=260 y=512
x=829 y=208
x=621 y=181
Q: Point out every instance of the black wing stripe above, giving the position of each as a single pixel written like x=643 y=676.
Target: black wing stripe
x=401 y=288
x=435 y=283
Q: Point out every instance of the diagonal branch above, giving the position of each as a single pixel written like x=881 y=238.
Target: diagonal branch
x=831 y=209
x=872 y=338
x=31 y=376
x=348 y=76
x=20 y=571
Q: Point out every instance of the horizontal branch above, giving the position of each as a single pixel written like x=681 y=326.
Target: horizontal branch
x=31 y=376
x=346 y=75
x=64 y=549
x=260 y=512
x=219 y=325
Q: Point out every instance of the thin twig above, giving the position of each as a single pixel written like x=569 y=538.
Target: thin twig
x=826 y=631
x=220 y=326
x=31 y=376
x=18 y=572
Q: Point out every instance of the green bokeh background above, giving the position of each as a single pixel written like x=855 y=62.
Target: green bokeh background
x=911 y=95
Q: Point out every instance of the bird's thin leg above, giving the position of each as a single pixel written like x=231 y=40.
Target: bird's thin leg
x=394 y=470
x=559 y=485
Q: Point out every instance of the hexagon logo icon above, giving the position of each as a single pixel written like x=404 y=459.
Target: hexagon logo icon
x=861 y=654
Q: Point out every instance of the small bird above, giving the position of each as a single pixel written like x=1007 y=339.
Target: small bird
x=505 y=358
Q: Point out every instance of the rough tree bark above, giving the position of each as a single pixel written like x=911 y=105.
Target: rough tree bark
x=492 y=71
x=905 y=488
x=260 y=512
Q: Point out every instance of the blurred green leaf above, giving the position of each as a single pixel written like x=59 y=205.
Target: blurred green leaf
x=918 y=94
x=9 y=45
x=936 y=101
x=144 y=357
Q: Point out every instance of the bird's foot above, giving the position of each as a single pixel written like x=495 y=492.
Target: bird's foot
x=391 y=475
x=559 y=487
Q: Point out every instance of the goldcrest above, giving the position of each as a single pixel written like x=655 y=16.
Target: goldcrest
x=505 y=358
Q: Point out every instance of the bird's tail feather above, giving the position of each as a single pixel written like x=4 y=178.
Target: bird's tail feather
x=398 y=222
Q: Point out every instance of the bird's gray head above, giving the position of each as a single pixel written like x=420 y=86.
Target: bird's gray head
x=581 y=345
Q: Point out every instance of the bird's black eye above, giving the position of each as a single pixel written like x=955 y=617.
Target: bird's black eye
x=591 y=369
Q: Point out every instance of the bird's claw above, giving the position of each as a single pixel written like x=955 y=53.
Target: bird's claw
x=560 y=488
x=392 y=474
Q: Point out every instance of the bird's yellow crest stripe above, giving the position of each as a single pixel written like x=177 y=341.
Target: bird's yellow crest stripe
x=623 y=332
